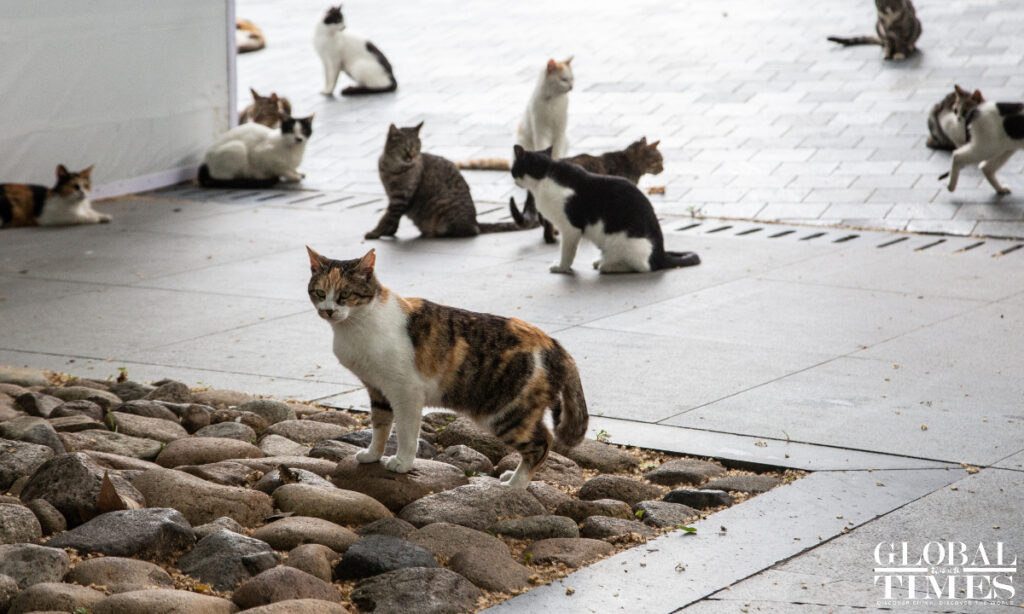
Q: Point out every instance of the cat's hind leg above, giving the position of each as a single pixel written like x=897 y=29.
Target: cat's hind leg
x=989 y=168
x=523 y=429
x=381 y=417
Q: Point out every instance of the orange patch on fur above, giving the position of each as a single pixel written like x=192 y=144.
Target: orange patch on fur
x=530 y=337
x=408 y=305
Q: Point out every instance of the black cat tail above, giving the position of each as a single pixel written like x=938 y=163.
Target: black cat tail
x=359 y=90
x=676 y=260
x=527 y=218
x=855 y=40
x=207 y=181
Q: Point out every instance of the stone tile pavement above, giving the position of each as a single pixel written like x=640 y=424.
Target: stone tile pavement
x=759 y=117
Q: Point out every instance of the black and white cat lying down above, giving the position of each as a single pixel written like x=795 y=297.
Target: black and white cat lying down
x=610 y=211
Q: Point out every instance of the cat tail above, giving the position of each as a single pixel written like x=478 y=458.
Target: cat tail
x=484 y=164
x=572 y=419
x=207 y=181
x=855 y=40
x=527 y=218
x=675 y=260
x=500 y=227
x=360 y=90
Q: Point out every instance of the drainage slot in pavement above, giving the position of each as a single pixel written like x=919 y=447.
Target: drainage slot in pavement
x=364 y=203
x=719 y=229
x=969 y=247
x=1009 y=250
x=336 y=200
x=894 y=241
x=689 y=226
x=749 y=232
x=929 y=245
x=305 y=198
x=270 y=197
x=846 y=238
x=243 y=195
x=813 y=236
x=781 y=234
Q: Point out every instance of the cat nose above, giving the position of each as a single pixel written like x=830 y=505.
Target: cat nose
x=327 y=313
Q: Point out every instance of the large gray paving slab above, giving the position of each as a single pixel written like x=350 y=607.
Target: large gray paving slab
x=868 y=404
x=678 y=569
x=792 y=315
x=979 y=508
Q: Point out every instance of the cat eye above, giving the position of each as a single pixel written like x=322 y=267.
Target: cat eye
x=344 y=294
x=321 y=294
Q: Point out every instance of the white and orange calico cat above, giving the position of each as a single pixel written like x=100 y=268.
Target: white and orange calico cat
x=411 y=353
x=64 y=204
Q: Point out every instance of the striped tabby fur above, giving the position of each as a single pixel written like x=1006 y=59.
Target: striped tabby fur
x=897 y=30
x=411 y=353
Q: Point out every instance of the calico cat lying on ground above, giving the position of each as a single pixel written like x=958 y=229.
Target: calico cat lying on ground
x=897 y=28
x=341 y=50
x=64 y=204
x=945 y=128
x=995 y=130
x=610 y=211
x=427 y=188
x=266 y=110
x=254 y=156
x=633 y=162
x=411 y=353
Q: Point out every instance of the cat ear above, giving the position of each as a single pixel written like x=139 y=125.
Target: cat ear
x=552 y=66
x=643 y=140
x=550 y=151
x=273 y=96
x=977 y=96
x=255 y=96
x=316 y=261
x=88 y=171
x=418 y=126
x=654 y=144
x=960 y=90
x=62 y=172
x=365 y=266
x=392 y=130
x=569 y=61
x=518 y=151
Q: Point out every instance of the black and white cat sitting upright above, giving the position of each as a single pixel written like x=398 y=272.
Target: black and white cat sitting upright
x=610 y=211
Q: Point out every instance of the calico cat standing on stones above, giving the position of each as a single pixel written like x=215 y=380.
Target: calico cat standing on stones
x=633 y=162
x=411 y=353
x=427 y=188
x=64 y=204
x=897 y=28
x=610 y=211
x=341 y=50
x=995 y=130
x=266 y=110
x=945 y=128
x=254 y=156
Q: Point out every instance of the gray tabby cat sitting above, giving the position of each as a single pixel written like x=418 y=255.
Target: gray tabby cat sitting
x=897 y=28
x=427 y=188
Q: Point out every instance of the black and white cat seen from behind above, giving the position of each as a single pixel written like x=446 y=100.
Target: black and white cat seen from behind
x=341 y=50
x=995 y=130
x=609 y=211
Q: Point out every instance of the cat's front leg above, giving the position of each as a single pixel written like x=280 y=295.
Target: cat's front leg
x=407 y=427
x=388 y=224
x=570 y=241
x=968 y=154
x=331 y=72
x=293 y=175
x=381 y=417
x=989 y=168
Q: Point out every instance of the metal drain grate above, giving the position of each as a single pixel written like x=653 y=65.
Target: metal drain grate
x=879 y=239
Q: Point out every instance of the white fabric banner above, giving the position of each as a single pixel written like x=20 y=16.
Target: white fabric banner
x=138 y=88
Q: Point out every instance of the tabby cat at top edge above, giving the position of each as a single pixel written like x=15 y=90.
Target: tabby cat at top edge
x=897 y=29
x=410 y=353
x=64 y=204
x=427 y=188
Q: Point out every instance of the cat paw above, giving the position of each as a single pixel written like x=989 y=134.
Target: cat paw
x=105 y=219
x=365 y=456
x=397 y=465
x=558 y=268
x=506 y=477
x=373 y=234
x=597 y=263
x=899 y=56
x=327 y=92
x=1003 y=191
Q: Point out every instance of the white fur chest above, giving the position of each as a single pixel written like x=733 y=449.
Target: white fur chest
x=61 y=210
x=376 y=346
x=551 y=198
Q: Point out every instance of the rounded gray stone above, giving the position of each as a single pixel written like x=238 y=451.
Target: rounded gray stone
x=224 y=523
x=50 y=519
x=78 y=408
x=56 y=596
x=165 y=601
x=79 y=393
x=157 y=429
x=146 y=409
x=32 y=429
x=224 y=559
x=464 y=431
x=474 y=505
x=119 y=574
x=18 y=525
x=288 y=533
x=280 y=584
x=333 y=450
x=150 y=533
x=684 y=471
x=700 y=499
x=175 y=392
x=202 y=450
x=71 y=483
x=444 y=540
x=201 y=501
x=556 y=469
x=220 y=398
x=340 y=506
x=37 y=404
x=569 y=551
x=536 y=527
x=490 y=570
x=416 y=589
x=273 y=480
x=268 y=409
x=315 y=559
x=395 y=527
x=603 y=527
x=276 y=445
x=114 y=443
x=467 y=459
x=580 y=510
x=396 y=490
x=30 y=564
x=228 y=430
x=622 y=488
x=19 y=458
x=8 y=591
x=361 y=438
x=376 y=554
x=23 y=376
x=306 y=431
x=754 y=484
x=334 y=416
x=131 y=391
x=662 y=514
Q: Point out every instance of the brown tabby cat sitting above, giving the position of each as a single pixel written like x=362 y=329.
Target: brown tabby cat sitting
x=427 y=188
x=633 y=162
x=266 y=110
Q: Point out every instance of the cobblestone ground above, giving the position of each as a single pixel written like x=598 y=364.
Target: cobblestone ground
x=759 y=116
